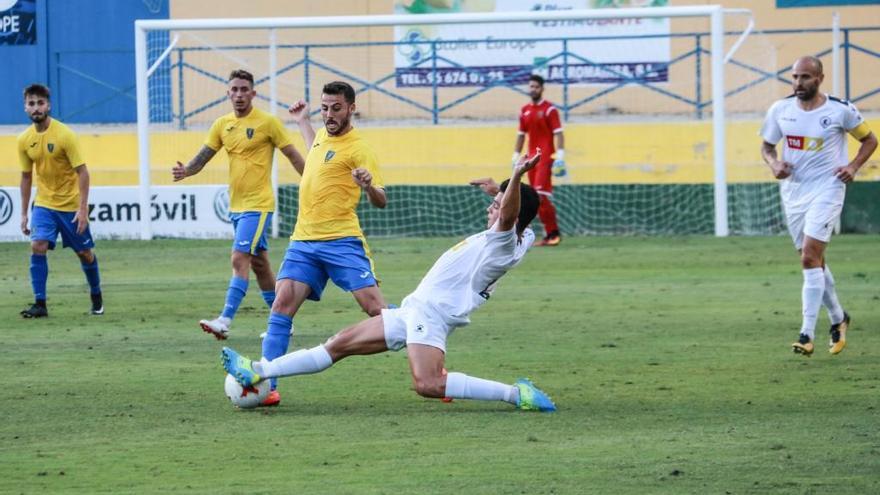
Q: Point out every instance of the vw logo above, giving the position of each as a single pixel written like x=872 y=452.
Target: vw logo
x=221 y=205
x=5 y=207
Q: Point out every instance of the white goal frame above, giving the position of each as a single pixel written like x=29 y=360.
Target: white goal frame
x=715 y=13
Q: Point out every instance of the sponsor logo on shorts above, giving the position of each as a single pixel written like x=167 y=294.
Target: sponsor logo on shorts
x=243 y=243
x=365 y=274
x=420 y=328
x=804 y=143
x=5 y=207
x=221 y=205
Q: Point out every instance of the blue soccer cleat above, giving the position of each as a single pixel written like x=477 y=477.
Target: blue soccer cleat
x=239 y=367
x=531 y=398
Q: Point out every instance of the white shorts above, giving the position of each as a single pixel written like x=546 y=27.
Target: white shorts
x=816 y=218
x=414 y=325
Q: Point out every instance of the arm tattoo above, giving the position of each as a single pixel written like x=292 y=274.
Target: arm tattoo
x=196 y=164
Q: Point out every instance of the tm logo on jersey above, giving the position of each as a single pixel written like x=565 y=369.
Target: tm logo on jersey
x=330 y=154
x=804 y=143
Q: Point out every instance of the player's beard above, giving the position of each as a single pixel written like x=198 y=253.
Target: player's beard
x=341 y=125
x=808 y=93
x=39 y=119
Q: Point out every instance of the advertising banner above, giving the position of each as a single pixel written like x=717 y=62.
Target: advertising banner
x=196 y=212
x=18 y=22
x=486 y=54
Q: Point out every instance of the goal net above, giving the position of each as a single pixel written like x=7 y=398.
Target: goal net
x=660 y=132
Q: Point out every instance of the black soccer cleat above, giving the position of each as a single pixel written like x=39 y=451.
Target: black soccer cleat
x=97 y=304
x=35 y=311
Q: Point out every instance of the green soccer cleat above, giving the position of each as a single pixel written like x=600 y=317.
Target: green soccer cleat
x=531 y=398
x=239 y=367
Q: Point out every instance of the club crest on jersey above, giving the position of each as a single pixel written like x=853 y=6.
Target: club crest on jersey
x=825 y=122
x=330 y=154
x=50 y=147
x=250 y=133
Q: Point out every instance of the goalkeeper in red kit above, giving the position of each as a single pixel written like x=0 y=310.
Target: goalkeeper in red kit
x=539 y=119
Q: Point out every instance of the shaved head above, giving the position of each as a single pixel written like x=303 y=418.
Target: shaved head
x=808 y=63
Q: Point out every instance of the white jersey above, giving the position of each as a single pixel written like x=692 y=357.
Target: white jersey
x=815 y=142
x=464 y=277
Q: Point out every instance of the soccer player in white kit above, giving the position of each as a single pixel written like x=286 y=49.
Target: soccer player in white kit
x=460 y=281
x=813 y=174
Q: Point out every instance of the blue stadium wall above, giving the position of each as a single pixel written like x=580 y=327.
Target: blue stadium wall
x=84 y=51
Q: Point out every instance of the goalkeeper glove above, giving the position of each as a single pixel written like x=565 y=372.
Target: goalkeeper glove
x=558 y=168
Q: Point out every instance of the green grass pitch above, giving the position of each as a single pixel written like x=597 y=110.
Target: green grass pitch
x=668 y=358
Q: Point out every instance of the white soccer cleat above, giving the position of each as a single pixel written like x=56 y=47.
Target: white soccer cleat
x=218 y=327
x=263 y=335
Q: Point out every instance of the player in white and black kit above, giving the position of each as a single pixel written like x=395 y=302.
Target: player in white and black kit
x=460 y=281
x=813 y=174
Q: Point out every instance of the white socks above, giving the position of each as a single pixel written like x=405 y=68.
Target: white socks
x=812 y=294
x=302 y=362
x=461 y=386
x=829 y=299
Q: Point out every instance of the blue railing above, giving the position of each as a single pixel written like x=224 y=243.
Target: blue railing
x=181 y=63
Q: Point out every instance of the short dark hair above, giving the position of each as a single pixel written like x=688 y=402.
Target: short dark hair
x=36 y=90
x=538 y=79
x=340 y=88
x=528 y=205
x=242 y=74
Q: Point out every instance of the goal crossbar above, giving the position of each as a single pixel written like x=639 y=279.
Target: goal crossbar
x=715 y=13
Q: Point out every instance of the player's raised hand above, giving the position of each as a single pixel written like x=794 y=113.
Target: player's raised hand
x=846 y=174
x=299 y=110
x=362 y=177
x=781 y=169
x=179 y=172
x=527 y=163
x=487 y=184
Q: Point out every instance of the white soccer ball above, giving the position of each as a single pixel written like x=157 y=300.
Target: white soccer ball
x=246 y=398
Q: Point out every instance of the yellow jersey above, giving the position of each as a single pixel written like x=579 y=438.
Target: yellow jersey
x=328 y=194
x=250 y=142
x=55 y=155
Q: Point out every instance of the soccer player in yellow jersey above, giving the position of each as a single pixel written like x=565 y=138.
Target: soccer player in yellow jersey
x=62 y=202
x=327 y=242
x=250 y=137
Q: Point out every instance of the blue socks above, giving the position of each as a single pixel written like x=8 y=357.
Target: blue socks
x=269 y=297
x=277 y=338
x=234 y=295
x=39 y=274
x=92 y=275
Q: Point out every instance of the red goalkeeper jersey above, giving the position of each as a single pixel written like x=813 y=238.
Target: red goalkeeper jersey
x=540 y=121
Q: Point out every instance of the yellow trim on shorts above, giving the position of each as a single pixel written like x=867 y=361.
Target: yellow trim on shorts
x=260 y=226
x=370 y=259
x=860 y=131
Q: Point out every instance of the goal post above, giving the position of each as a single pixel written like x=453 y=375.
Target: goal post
x=145 y=63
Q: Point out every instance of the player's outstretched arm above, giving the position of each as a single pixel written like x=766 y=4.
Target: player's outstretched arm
x=300 y=113
x=194 y=166
x=510 y=201
x=487 y=185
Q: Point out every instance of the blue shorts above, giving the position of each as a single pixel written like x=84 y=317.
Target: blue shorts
x=46 y=224
x=346 y=261
x=250 y=231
